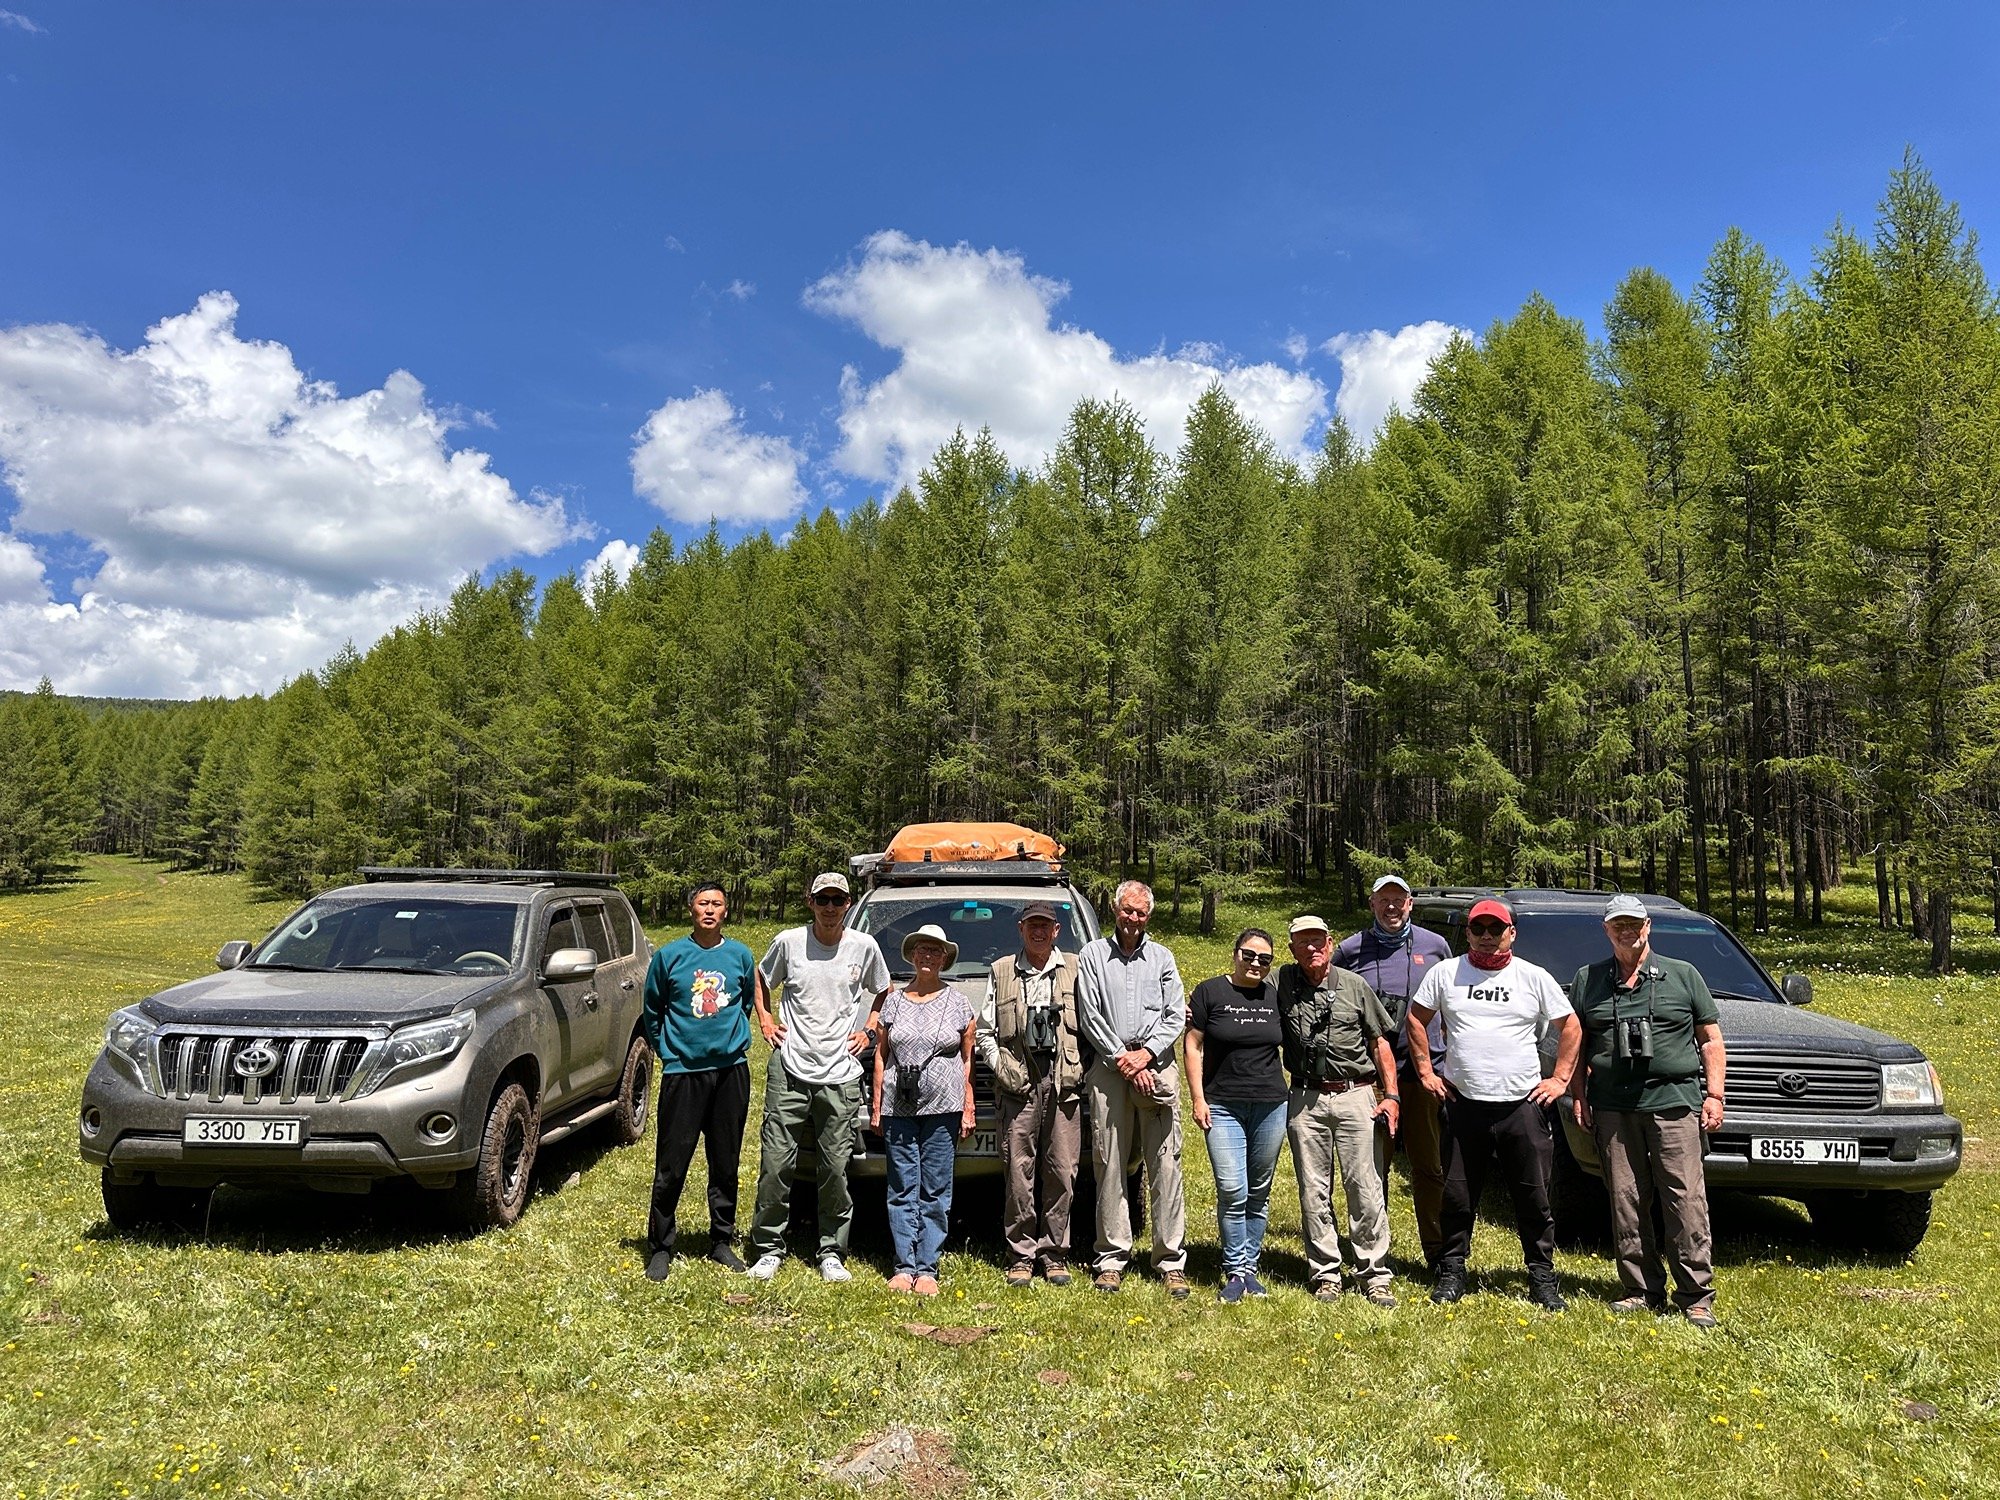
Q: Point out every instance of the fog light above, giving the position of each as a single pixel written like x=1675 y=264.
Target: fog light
x=1935 y=1145
x=93 y=1121
x=439 y=1127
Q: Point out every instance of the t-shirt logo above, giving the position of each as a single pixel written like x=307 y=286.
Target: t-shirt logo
x=711 y=993
x=854 y=974
x=1496 y=994
x=1416 y=958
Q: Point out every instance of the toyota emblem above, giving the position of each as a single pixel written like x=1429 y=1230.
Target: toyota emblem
x=260 y=1061
x=1793 y=1084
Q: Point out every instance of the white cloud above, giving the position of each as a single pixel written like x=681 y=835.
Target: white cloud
x=22 y=579
x=697 y=463
x=1296 y=348
x=249 y=520
x=741 y=290
x=978 y=349
x=1379 y=369
x=675 y=245
x=621 y=557
x=20 y=22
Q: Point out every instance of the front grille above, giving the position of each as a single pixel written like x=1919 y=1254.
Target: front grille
x=202 y=1065
x=1818 y=1085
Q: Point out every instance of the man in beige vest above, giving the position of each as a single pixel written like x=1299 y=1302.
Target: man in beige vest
x=1028 y=1038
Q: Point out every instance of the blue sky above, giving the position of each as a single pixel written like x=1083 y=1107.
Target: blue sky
x=307 y=311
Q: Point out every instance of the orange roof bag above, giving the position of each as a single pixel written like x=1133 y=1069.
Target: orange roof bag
x=942 y=842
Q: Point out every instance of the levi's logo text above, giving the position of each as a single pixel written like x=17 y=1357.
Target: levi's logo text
x=710 y=993
x=1492 y=994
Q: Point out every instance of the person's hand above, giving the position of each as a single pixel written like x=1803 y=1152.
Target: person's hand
x=875 y=1118
x=1584 y=1114
x=1389 y=1112
x=1202 y=1116
x=967 y=1121
x=1142 y=1081
x=1132 y=1062
x=1435 y=1086
x=774 y=1033
x=1711 y=1112
x=857 y=1043
x=1549 y=1090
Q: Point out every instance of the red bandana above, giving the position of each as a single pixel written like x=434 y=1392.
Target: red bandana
x=1490 y=962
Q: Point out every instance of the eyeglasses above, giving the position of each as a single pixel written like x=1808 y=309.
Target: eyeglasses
x=1252 y=956
x=1486 y=927
x=831 y=898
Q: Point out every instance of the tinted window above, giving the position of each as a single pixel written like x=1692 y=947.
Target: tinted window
x=1563 y=942
x=562 y=933
x=985 y=928
x=447 y=937
x=622 y=929
x=595 y=937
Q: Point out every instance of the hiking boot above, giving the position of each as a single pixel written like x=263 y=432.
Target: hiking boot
x=1177 y=1285
x=766 y=1267
x=1020 y=1274
x=1327 y=1289
x=1232 y=1291
x=1108 y=1281
x=724 y=1255
x=1380 y=1296
x=1701 y=1315
x=1544 y=1293
x=1056 y=1273
x=1450 y=1284
x=658 y=1264
x=1640 y=1304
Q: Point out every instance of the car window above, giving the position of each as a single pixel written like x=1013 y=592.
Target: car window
x=562 y=933
x=1563 y=942
x=984 y=927
x=623 y=929
x=595 y=936
x=423 y=933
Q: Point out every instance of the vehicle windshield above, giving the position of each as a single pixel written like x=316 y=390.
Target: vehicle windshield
x=399 y=934
x=984 y=927
x=1563 y=942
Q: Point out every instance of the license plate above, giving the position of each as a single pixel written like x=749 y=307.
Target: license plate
x=984 y=1142
x=238 y=1130
x=1790 y=1148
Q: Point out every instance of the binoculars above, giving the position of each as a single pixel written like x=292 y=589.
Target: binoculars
x=1044 y=1028
x=1632 y=1039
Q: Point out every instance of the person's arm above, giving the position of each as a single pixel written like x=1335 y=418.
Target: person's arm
x=1714 y=1066
x=1196 y=1039
x=1579 y=1081
x=881 y=1062
x=1173 y=1013
x=653 y=1010
x=970 y=1114
x=1091 y=1007
x=1569 y=1042
x=1389 y=1107
x=987 y=1026
x=770 y=979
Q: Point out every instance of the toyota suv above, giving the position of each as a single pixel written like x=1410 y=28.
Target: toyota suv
x=439 y=1025
x=1847 y=1120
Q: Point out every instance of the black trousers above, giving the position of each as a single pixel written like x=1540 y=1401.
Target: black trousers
x=1519 y=1134
x=711 y=1107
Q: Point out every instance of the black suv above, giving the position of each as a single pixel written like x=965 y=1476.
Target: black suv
x=1847 y=1120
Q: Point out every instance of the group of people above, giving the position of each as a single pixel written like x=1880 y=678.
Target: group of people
x=1347 y=1052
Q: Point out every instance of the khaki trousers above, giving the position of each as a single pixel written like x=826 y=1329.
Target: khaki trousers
x=1339 y=1129
x=1648 y=1156
x=1120 y=1120
x=1041 y=1141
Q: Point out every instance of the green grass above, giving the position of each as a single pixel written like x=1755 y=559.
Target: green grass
x=335 y=1347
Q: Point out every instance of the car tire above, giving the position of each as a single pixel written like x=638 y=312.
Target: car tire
x=1888 y=1224
x=147 y=1205
x=635 y=1084
x=494 y=1192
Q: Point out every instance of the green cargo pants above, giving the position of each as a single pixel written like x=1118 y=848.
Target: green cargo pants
x=829 y=1115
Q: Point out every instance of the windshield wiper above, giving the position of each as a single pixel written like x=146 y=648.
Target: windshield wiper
x=1737 y=995
x=386 y=969
x=294 y=968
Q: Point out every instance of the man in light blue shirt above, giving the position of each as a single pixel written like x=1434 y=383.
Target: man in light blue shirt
x=1131 y=1006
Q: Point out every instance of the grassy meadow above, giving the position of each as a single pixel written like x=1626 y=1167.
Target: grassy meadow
x=332 y=1346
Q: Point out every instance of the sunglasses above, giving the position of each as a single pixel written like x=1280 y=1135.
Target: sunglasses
x=1252 y=956
x=831 y=898
x=1486 y=927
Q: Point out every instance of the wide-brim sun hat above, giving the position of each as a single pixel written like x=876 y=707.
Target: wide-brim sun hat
x=932 y=933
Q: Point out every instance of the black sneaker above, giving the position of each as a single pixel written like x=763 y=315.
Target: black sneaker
x=724 y=1255
x=1252 y=1287
x=1545 y=1294
x=658 y=1264
x=1450 y=1285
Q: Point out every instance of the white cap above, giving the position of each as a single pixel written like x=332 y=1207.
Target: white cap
x=1308 y=923
x=1389 y=880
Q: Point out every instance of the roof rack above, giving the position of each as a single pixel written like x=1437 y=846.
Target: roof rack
x=375 y=873
x=962 y=871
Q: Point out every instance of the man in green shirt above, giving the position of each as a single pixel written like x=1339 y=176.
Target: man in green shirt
x=1650 y=1085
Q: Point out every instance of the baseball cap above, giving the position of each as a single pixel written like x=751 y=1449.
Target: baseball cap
x=830 y=880
x=1491 y=908
x=1036 y=909
x=1624 y=906
x=1308 y=923
x=1387 y=880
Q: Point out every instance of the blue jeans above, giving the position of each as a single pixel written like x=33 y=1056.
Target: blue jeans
x=922 y=1150
x=1243 y=1142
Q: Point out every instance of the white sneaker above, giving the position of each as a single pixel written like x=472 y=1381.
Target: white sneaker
x=767 y=1267
x=830 y=1269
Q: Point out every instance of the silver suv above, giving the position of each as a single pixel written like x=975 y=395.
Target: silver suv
x=439 y=1025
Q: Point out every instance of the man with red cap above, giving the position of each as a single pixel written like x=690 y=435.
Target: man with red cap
x=1497 y=1009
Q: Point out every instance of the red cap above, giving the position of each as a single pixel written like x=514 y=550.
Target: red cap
x=1491 y=908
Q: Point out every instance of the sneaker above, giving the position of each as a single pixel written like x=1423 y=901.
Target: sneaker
x=902 y=1281
x=1701 y=1315
x=1380 y=1296
x=1252 y=1287
x=1056 y=1273
x=658 y=1264
x=724 y=1255
x=1177 y=1285
x=1640 y=1304
x=831 y=1269
x=1450 y=1285
x=1232 y=1290
x=1108 y=1281
x=1545 y=1294
x=1327 y=1289
x=926 y=1286
x=766 y=1267
x=1020 y=1274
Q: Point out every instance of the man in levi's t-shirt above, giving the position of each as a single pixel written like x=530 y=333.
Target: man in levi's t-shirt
x=1496 y=1101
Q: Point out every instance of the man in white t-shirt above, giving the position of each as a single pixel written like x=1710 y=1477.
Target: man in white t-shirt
x=1496 y=1009
x=833 y=982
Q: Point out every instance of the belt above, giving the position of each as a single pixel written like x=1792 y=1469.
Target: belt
x=1338 y=1085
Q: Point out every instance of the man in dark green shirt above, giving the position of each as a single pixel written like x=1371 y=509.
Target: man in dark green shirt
x=1650 y=1085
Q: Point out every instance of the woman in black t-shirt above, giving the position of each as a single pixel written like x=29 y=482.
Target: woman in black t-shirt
x=1237 y=1076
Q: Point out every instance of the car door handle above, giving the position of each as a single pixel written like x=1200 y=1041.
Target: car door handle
x=624 y=984
x=590 y=999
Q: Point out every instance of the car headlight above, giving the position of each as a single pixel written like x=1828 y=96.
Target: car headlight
x=1911 y=1086
x=125 y=1037
x=415 y=1046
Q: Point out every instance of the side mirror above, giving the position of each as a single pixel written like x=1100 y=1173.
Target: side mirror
x=570 y=963
x=1797 y=989
x=231 y=954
